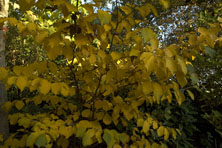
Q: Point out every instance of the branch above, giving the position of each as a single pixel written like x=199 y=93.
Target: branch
x=94 y=96
x=118 y=22
x=76 y=81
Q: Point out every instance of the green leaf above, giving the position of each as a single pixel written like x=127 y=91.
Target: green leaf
x=147 y=34
x=209 y=51
x=124 y=138
x=87 y=138
x=108 y=137
x=41 y=141
x=104 y=17
x=80 y=131
x=32 y=138
x=194 y=77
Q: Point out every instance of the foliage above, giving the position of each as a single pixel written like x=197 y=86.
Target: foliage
x=99 y=94
x=209 y=69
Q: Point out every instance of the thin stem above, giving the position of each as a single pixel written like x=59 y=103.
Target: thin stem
x=77 y=5
x=94 y=96
x=76 y=81
x=118 y=22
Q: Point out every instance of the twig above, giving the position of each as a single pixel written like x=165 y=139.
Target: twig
x=94 y=96
x=118 y=22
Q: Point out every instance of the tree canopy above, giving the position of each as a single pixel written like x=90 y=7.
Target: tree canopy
x=94 y=76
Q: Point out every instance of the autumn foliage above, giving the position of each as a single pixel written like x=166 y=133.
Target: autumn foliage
x=113 y=66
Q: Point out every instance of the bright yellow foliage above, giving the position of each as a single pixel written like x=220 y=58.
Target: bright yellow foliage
x=112 y=69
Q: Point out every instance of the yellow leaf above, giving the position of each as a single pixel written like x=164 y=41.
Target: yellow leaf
x=99 y=104
x=87 y=138
x=21 y=82
x=13 y=21
x=87 y=113
x=219 y=19
x=71 y=7
x=21 y=27
x=56 y=87
x=25 y=122
x=152 y=8
x=107 y=119
x=140 y=122
x=143 y=11
x=34 y=84
x=19 y=105
x=116 y=40
x=148 y=59
x=160 y=131
x=37 y=99
x=158 y=91
x=104 y=17
x=89 y=28
x=179 y=132
x=72 y=91
x=116 y=55
x=107 y=105
x=166 y=134
x=107 y=27
x=155 y=125
x=12 y=80
x=32 y=138
x=182 y=64
x=45 y=86
x=76 y=116
x=174 y=134
x=165 y=3
x=171 y=50
x=31 y=27
x=3 y=73
x=99 y=115
x=146 y=127
x=154 y=44
x=1 y=137
x=92 y=59
x=134 y=52
x=147 y=87
x=181 y=78
x=117 y=146
x=41 y=36
x=7 y=106
x=64 y=89
x=118 y=100
x=190 y=94
x=127 y=10
x=170 y=65
x=98 y=136
x=54 y=100
x=67 y=131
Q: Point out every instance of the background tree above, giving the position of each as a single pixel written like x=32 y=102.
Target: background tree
x=4 y=129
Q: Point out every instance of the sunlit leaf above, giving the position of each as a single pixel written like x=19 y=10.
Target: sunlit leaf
x=19 y=105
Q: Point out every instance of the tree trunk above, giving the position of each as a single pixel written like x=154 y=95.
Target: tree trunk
x=4 y=128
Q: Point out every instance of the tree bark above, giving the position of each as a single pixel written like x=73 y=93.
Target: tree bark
x=4 y=127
